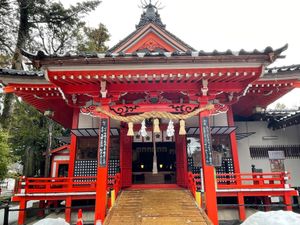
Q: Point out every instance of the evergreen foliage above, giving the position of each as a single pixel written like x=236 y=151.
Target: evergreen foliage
x=29 y=136
x=4 y=154
x=35 y=25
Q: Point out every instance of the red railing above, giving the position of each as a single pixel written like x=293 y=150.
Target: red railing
x=243 y=180
x=192 y=186
x=63 y=184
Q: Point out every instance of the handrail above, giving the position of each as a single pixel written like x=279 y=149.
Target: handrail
x=30 y=185
x=245 y=180
x=192 y=186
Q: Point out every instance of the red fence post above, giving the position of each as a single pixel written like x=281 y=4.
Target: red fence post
x=242 y=211
x=22 y=212
x=68 y=209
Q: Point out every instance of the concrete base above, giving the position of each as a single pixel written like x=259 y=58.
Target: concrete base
x=233 y=214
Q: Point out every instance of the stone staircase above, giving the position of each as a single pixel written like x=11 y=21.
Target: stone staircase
x=156 y=206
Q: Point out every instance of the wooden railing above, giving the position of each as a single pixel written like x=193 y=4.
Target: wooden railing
x=192 y=186
x=28 y=185
x=243 y=181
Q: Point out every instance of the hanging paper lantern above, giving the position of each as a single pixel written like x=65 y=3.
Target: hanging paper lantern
x=156 y=126
x=182 y=130
x=143 y=131
x=170 y=129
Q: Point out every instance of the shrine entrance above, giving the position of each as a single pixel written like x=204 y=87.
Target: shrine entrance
x=143 y=163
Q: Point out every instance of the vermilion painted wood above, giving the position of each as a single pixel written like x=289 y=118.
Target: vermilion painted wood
x=233 y=142
x=125 y=157
x=60 y=148
x=58 y=162
x=209 y=174
x=181 y=159
x=73 y=144
x=150 y=37
x=72 y=77
x=102 y=178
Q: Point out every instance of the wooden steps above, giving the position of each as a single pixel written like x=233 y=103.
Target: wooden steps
x=156 y=206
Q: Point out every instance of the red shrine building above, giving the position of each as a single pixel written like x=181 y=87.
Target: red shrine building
x=153 y=112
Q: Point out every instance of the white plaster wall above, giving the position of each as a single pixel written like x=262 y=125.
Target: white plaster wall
x=219 y=120
x=61 y=157
x=86 y=121
x=288 y=136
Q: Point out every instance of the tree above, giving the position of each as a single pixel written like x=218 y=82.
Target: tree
x=94 y=39
x=4 y=154
x=28 y=137
x=34 y=25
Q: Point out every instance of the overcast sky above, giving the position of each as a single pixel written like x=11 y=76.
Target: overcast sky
x=214 y=24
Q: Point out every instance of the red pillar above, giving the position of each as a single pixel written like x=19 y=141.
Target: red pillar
x=242 y=211
x=102 y=176
x=181 y=160
x=125 y=157
x=288 y=202
x=22 y=212
x=68 y=209
x=73 y=144
x=42 y=204
x=208 y=173
x=234 y=148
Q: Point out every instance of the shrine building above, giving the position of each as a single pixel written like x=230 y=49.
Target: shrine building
x=154 y=113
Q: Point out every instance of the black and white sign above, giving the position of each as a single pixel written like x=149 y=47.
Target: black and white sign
x=102 y=154
x=207 y=141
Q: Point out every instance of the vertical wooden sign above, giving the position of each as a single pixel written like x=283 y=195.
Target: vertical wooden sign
x=207 y=141
x=102 y=154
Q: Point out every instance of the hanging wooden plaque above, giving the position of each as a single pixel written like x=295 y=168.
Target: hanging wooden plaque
x=207 y=141
x=102 y=153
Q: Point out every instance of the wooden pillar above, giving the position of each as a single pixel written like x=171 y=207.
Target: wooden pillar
x=181 y=160
x=41 y=213
x=68 y=209
x=242 y=210
x=22 y=212
x=267 y=203
x=102 y=170
x=234 y=148
x=209 y=175
x=125 y=157
x=288 y=202
x=73 y=144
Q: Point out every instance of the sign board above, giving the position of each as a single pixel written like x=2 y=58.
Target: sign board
x=102 y=151
x=276 y=154
x=277 y=165
x=207 y=141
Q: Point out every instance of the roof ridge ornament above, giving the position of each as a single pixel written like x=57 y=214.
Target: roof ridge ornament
x=150 y=14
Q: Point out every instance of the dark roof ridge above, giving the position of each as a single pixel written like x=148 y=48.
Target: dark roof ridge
x=11 y=72
x=268 y=50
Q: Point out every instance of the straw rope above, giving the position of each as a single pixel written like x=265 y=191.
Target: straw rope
x=153 y=114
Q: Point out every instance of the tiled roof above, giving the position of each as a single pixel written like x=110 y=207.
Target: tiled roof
x=11 y=72
x=150 y=15
x=282 y=118
x=41 y=55
x=283 y=69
